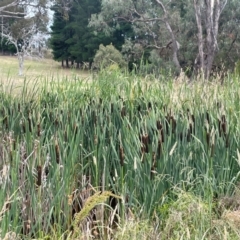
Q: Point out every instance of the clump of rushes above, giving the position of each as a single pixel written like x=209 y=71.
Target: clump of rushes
x=144 y=149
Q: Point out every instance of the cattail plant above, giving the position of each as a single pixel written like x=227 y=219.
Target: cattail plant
x=57 y=151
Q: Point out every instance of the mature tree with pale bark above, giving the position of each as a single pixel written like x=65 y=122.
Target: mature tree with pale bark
x=23 y=26
x=207 y=14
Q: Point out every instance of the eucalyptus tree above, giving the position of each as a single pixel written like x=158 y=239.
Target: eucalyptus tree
x=207 y=14
x=229 y=36
x=153 y=25
x=163 y=26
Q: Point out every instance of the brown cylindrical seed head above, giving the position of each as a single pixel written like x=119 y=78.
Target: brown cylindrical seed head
x=174 y=125
x=159 y=125
x=227 y=141
x=121 y=153
x=29 y=124
x=123 y=112
x=39 y=129
x=219 y=128
x=188 y=135
x=57 y=152
x=208 y=138
x=224 y=128
x=223 y=118
x=39 y=175
x=208 y=118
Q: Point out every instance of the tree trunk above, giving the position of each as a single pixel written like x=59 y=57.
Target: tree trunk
x=67 y=63
x=62 y=63
x=175 y=45
x=20 y=63
x=199 y=61
x=90 y=65
x=207 y=51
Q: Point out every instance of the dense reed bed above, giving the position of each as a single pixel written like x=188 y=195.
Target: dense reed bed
x=152 y=151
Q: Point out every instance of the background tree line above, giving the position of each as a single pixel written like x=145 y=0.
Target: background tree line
x=73 y=41
x=154 y=36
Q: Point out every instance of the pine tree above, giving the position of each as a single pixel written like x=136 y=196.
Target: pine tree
x=59 y=36
x=72 y=38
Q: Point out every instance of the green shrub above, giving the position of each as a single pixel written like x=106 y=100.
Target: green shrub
x=237 y=68
x=108 y=56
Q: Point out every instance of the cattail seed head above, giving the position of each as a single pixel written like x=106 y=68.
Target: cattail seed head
x=5 y=122
x=208 y=138
x=174 y=124
x=38 y=129
x=123 y=112
x=39 y=176
x=227 y=143
x=121 y=153
x=65 y=136
x=57 y=152
x=159 y=125
x=224 y=128
x=56 y=122
x=208 y=118
x=223 y=118
x=149 y=106
x=220 y=127
x=159 y=148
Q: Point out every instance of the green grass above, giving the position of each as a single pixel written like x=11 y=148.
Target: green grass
x=36 y=72
x=168 y=149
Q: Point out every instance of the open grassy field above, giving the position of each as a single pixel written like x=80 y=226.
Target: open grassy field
x=35 y=72
x=120 y=157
